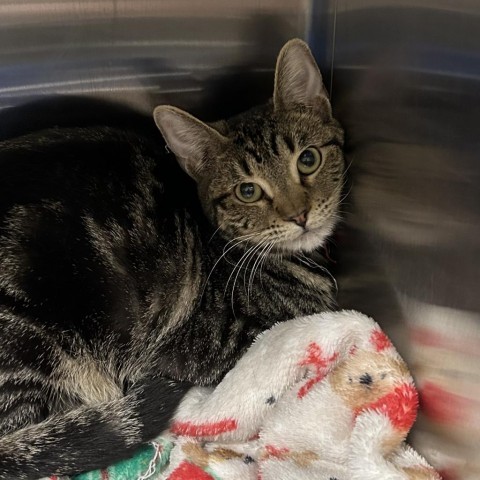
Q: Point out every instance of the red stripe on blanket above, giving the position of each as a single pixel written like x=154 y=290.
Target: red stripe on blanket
x=191 y=429
x=315 y=358
x=400 y=406
x=379 y=340
x=189 y=471
x=104 y=474
x=304 y=389
x=276 y=452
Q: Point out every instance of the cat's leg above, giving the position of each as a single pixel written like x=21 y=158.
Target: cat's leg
x=21 y=403
x=91 y=436
x=26 y=361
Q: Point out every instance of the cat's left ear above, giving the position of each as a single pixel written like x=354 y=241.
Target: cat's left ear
x=298 y=81
x=187 y=137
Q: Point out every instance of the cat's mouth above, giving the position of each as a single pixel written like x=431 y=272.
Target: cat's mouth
x=309 y=239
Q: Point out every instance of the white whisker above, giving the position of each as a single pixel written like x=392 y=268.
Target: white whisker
x=265 y=245
x=245 y=258
x=255 y=256
x=238 y=266
x=214 y=233
x=265 y=256
x=243 y=238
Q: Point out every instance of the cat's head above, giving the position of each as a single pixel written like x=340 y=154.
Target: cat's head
x=272 y=175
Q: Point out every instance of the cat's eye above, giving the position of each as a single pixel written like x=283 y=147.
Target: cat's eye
x=249 y=192
x=309 y=161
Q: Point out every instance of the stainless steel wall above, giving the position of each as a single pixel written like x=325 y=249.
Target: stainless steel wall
x=405 y=81
x=144 y=52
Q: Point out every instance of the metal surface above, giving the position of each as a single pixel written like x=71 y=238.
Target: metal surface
x=144 y=52
x=405 y=79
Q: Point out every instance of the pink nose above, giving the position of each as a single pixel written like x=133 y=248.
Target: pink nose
x=300 y=219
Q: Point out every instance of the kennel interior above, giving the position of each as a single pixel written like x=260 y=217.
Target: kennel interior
x=404 y=77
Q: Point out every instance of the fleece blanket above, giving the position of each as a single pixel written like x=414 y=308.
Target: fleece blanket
x=320 y=397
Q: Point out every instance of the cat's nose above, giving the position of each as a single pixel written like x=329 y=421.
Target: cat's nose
x=300 y=218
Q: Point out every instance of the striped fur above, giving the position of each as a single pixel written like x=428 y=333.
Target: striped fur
x=123 y=280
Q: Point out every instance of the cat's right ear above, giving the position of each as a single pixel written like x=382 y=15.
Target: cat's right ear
x=187 y=137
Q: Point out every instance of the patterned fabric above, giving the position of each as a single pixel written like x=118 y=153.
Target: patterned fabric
x=319 y=397
x=146 y=464
x=444 y=356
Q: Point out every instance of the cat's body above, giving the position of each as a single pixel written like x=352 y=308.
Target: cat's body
x=117 y=285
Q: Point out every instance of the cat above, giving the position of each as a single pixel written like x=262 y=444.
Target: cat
x=129 y=273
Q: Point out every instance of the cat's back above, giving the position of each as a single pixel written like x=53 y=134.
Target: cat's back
x=80 y=211
x=109 y=174
x=72 y=165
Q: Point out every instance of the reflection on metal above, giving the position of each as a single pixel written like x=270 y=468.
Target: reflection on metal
x=406 y=86
x=405 y=78
x=142 y=52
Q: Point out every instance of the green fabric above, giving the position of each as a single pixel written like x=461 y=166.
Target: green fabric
x=134 y=467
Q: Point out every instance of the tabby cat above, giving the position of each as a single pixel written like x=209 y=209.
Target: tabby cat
x=128 y=273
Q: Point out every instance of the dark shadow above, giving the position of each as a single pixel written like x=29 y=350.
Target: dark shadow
x=236 y=89
x=70 y=111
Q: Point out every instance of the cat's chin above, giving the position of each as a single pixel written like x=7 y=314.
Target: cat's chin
x=308 y=240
